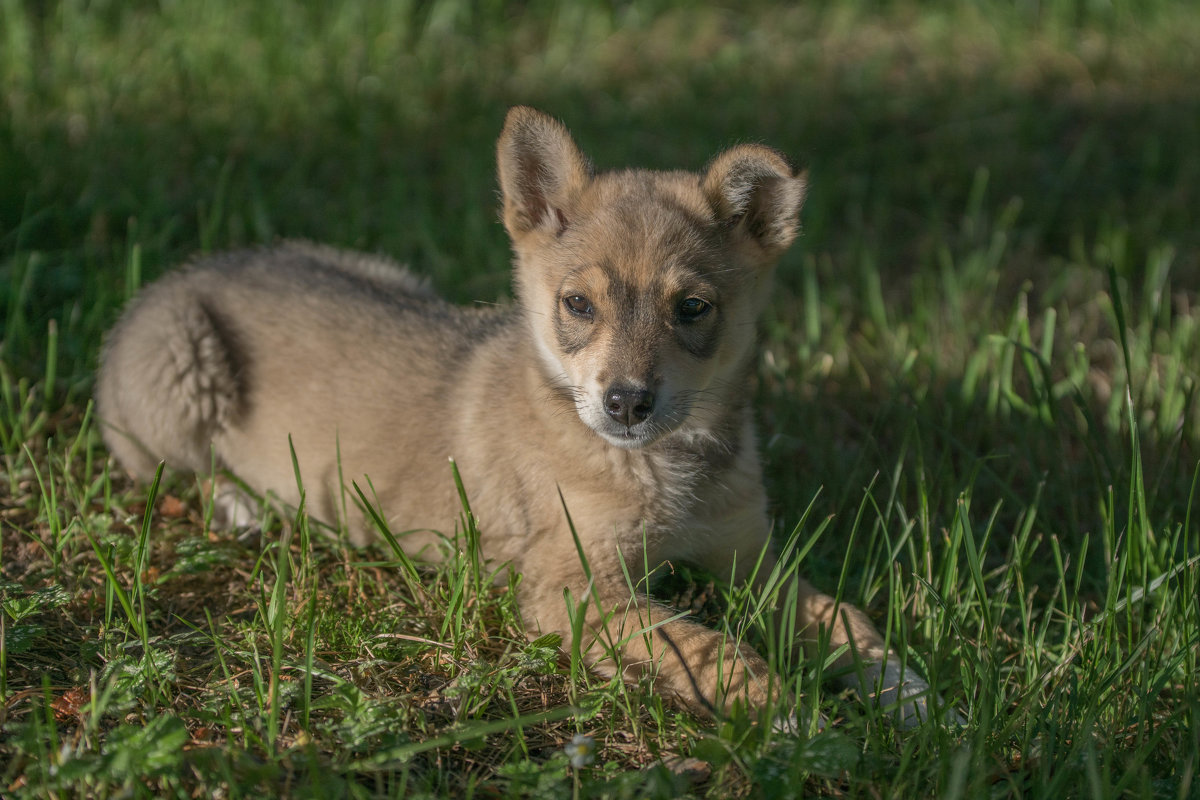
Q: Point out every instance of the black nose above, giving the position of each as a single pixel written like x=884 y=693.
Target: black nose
x=629 y=406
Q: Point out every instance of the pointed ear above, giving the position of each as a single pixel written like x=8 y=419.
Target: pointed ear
x=541 y=170
x=753 y=189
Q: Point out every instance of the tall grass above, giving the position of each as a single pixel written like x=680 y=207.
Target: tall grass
x=977 y=393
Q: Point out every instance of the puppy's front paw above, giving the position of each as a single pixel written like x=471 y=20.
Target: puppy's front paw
x=907 y=696
x=806 y=720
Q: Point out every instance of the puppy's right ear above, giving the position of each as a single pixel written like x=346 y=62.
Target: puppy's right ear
x=542 y=172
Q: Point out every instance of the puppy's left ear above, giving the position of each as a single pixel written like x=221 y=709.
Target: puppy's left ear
x=753 y=189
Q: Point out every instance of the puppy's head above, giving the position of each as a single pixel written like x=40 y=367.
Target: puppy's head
x=643 y=288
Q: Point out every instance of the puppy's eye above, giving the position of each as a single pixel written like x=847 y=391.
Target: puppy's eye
x=693 y=309
x=579 y=305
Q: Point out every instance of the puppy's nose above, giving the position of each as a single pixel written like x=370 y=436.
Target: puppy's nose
x=629 y=406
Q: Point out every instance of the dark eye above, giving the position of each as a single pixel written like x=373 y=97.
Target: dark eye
x=693 y=309
x=578 y=304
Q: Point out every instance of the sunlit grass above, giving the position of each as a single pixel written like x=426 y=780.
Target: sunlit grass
x=977 y=395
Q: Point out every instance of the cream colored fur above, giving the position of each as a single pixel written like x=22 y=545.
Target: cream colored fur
x=620 y=379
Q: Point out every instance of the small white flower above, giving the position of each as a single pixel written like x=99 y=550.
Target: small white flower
x=581 y=750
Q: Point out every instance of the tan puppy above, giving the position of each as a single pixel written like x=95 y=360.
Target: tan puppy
x=621 y=379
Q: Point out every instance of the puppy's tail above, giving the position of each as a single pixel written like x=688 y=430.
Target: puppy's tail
x=170 y=378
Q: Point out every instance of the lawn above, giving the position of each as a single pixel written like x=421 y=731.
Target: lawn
x=977 y=397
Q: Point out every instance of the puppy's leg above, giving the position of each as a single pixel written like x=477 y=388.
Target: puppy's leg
x=867 y=666
x=168 y=381
x=703 y=667
x=630 y=633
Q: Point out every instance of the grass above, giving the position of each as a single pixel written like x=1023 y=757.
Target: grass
x=977 y=396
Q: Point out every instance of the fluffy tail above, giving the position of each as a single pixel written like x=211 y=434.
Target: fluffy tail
x=170 y=378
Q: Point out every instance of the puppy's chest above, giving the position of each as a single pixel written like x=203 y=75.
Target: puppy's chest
x=672 y=498
x=664 y=483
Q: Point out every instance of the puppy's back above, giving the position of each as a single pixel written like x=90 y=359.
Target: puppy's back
x=186 y=357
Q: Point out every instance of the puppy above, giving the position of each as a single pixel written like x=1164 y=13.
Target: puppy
x=602 y=425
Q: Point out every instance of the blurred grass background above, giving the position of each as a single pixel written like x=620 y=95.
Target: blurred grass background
x=990 y=325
